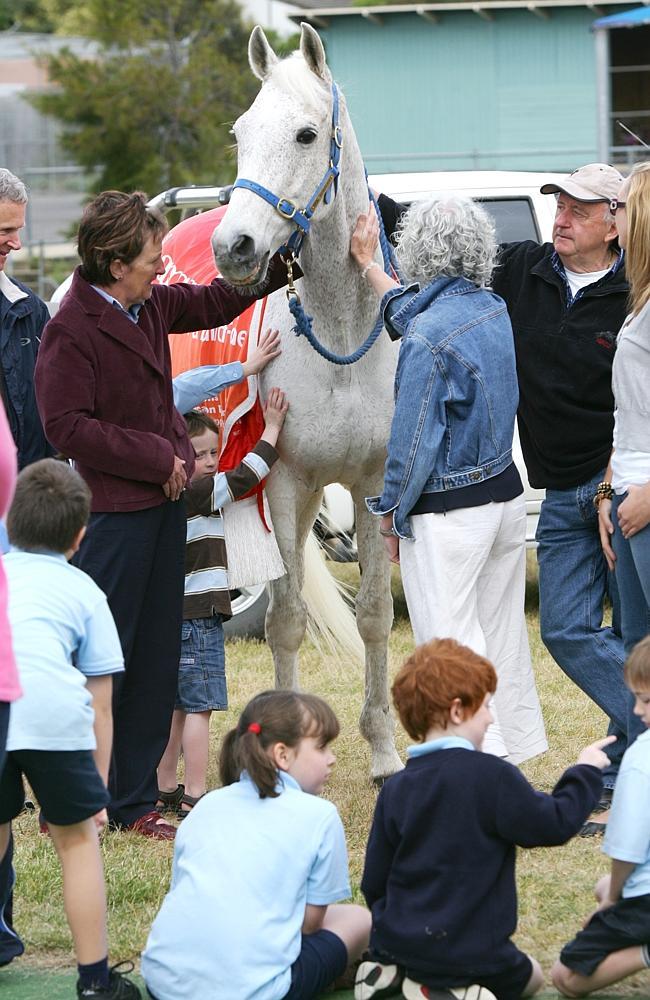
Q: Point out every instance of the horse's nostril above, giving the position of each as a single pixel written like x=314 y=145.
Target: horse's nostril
x=243 y=249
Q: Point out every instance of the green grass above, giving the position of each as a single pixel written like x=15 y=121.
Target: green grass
x=555 y=886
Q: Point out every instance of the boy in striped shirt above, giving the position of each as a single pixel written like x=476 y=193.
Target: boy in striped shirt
x=201 y=676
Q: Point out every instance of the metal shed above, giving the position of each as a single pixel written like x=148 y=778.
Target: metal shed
x=467 y=84
x=623 y=84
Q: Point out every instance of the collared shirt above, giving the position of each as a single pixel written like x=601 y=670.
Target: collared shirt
x=442 y=743
x=63 y=632
x=132 y=312
x=627 y=837
x=244 y=869
x=558 y=267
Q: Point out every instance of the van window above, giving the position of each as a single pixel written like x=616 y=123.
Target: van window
x=514 y=218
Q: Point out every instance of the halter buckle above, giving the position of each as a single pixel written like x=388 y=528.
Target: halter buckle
x=337 y=136
x=286 y=208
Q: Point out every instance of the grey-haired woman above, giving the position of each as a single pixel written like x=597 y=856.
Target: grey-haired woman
x=452 y=510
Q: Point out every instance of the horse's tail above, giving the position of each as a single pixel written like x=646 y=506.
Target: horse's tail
x=330 y=619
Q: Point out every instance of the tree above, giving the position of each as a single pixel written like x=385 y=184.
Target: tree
x=153 y=107
x=66 y=17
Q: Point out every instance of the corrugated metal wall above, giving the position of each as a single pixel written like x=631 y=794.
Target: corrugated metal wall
x=515 y=92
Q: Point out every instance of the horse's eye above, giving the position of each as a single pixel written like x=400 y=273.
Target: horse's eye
x=306 y=136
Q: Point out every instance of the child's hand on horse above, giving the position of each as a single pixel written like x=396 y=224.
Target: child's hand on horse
x=365 y=238
x=275 y=410
x=267 y=349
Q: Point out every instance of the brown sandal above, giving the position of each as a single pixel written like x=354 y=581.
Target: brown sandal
x=189 y=801
x=168 y=802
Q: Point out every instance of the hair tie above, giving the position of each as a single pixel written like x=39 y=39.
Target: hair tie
x=254 y=727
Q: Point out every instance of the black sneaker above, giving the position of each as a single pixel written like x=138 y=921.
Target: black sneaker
x=119 y=987
x=374 y=980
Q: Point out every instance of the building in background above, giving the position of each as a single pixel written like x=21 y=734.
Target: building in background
x=481 y=84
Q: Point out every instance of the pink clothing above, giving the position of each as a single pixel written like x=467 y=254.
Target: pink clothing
x=9 y=686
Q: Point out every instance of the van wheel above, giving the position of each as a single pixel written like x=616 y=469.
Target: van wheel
x=248 y=612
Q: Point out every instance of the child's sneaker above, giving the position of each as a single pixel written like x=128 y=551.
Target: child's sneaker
x=119 y=987
x=376 y=980
x=416 y=991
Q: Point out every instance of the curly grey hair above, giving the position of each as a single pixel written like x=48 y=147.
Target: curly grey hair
x=448 y=235
x=12 y=188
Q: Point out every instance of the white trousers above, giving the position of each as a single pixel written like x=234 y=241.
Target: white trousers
x=464 y=578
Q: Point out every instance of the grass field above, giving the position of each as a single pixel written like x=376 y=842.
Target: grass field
x=555 y=886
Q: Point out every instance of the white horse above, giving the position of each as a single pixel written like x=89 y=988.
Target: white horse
x=339 y=417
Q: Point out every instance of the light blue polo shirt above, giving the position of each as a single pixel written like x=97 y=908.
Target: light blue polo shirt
x=63 y=631
x=244 y=869
x=627 y=837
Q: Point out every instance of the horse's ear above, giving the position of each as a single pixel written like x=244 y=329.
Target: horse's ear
x=261 y=56
x=313 y=52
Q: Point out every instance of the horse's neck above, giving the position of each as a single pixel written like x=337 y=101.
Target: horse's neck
x=330 y=271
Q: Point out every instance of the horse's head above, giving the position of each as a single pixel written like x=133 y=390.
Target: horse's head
x=283 y=144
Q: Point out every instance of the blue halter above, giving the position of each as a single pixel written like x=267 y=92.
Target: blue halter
x=326 y=189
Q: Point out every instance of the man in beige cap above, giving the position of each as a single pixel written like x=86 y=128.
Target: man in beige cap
x=567 y=301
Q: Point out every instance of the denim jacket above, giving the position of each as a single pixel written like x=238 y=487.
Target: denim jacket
x=456 y=393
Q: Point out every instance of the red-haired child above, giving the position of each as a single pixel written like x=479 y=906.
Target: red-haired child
x=439 y=873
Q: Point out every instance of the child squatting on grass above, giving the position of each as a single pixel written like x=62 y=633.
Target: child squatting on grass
x=615 y=940
x=60 y=732
x=202 y=674
x=257 y=865
x=439 y=874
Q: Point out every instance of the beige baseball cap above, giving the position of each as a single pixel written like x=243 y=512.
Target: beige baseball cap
x=593 y=182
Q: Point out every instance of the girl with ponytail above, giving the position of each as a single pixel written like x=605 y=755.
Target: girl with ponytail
x=257 y=867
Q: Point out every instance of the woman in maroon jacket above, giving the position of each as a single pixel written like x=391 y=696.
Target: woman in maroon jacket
x=104 y=391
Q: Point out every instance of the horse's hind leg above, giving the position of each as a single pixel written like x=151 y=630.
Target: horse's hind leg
x=374 y=607
x=293 y=510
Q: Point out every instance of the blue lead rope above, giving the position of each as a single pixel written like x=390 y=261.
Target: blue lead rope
x=303 y=327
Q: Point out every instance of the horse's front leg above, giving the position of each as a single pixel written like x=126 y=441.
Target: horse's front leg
x=293 y=509
x=374 y=606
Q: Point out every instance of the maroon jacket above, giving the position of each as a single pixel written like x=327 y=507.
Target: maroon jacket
x=104 y=388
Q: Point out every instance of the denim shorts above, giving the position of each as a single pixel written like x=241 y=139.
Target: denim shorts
x=202 y=667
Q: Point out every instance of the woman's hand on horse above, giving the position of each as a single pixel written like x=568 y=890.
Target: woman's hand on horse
x=176 y=482
x=365 y=238
x=267 y=349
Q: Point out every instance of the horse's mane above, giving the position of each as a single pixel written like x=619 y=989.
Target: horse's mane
x=294 y=77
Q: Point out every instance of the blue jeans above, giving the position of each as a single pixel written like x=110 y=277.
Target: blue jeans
x=633 y=579
x=573 y=582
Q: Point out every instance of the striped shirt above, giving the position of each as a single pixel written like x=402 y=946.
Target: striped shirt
x=206 y=561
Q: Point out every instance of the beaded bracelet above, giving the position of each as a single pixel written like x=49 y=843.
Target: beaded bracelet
x=604 y=491
x=368 y=267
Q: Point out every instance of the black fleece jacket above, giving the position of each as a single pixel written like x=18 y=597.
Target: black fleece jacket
x=439 y=873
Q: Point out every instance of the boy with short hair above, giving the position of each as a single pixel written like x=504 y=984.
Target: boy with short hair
x=201 y=675
x=439 y=873
x=60 y=732
x=615 y=941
